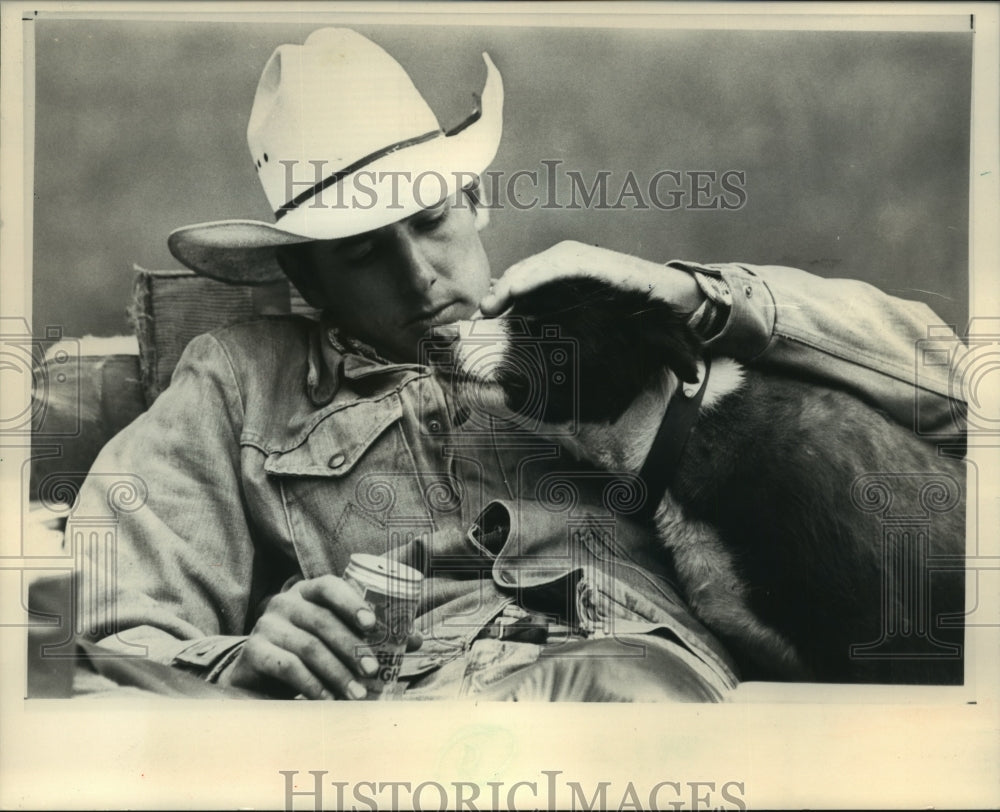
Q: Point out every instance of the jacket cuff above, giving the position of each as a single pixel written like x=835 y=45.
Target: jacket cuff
x=746 y=330
x=209 y=656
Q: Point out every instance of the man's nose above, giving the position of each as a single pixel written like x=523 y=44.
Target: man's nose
x=418 y=270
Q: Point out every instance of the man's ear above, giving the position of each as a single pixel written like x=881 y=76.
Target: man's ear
x=482 y=217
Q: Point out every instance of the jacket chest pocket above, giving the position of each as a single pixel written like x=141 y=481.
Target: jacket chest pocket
x=352 y=486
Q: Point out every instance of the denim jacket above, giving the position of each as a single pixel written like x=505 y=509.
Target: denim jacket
x=278 y=450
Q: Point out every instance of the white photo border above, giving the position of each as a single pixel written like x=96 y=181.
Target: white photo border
x=794 y=747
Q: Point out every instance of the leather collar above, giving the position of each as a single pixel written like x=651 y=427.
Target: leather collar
x=661 y=464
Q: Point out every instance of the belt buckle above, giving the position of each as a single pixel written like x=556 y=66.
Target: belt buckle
x=518 y=625
x=528 y=629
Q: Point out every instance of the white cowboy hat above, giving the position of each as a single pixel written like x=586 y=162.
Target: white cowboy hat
x=343 y=143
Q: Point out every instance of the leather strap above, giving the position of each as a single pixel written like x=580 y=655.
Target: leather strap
x=678 y=421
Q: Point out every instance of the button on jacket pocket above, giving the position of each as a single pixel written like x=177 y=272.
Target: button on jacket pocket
x=349 y=486
x=338 y=441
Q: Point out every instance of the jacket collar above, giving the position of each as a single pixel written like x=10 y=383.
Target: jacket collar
x=334 y=357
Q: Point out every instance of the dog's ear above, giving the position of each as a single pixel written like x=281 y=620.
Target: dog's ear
x=665 y=331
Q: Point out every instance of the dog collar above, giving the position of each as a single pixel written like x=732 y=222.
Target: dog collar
x=665 y=454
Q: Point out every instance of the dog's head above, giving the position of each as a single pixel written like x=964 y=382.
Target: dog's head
x=573 y=349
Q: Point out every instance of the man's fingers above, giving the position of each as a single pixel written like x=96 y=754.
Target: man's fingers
x=304 y=661
x=342 y=599
x=516 y=281
x=262 y=661
x=565 y=259
x=312 y=638
x=512 y=282
x=327 y=629
x=571 y=259
x=521 y=277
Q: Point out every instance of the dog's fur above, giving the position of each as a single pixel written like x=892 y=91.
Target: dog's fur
x=769 y=542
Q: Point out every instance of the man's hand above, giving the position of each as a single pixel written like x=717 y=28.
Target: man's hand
x=574 y=259
x=310 y=640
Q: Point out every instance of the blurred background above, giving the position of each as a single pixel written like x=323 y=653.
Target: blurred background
x=854 y=146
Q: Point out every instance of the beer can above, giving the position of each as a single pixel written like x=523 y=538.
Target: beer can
x=393 y=590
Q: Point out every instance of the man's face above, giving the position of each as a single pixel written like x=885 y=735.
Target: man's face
x=388 y=286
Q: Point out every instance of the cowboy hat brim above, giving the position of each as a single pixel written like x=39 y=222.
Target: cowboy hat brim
x=389 y=189
x=237 y=251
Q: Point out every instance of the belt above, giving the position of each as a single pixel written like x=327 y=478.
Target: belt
x=521 y=626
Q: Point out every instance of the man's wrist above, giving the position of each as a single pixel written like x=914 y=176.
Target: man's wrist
x=744 y=322
x=718 y=305
x=704 y=319
x=673 y=285
x=709 y=318
x=208 y=656
x=223 y=667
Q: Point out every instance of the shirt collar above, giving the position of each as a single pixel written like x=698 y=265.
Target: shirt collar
x=334 y=356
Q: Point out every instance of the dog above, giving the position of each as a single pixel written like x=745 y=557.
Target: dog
x=772 y=512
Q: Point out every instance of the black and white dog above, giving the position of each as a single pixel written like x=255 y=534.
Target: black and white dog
x=773 y=509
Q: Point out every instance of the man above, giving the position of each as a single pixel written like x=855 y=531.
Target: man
x=283 y=446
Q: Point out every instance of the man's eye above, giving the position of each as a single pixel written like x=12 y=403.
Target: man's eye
x=430 y=222
x=357 y=253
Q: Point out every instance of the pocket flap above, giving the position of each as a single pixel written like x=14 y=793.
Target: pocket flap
x=338 y=441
